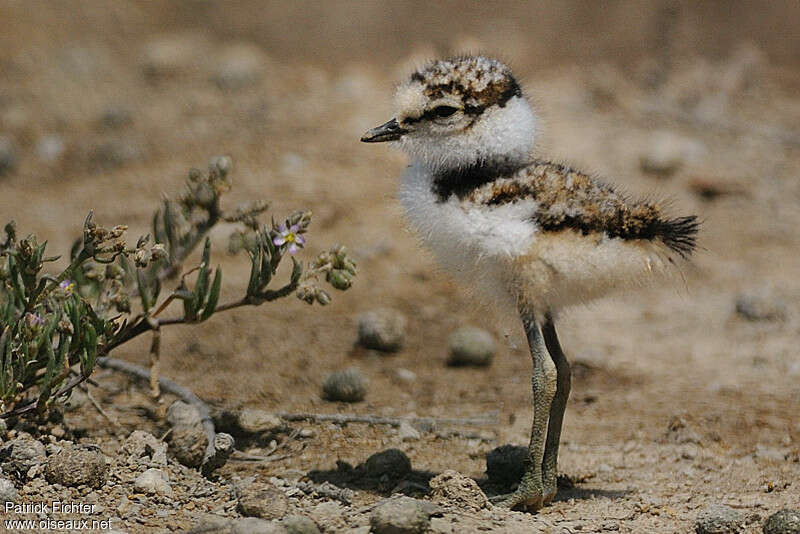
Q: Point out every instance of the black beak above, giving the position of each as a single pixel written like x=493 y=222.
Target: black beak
x=391 y=131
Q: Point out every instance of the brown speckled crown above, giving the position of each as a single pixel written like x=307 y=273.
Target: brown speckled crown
x=479 y=82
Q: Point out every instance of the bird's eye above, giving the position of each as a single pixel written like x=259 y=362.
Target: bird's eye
x=444 y=111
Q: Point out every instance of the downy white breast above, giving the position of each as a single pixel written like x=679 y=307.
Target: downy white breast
x=476 y=243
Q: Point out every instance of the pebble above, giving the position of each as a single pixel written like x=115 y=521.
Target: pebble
x=406 y=432
x=173 y=54
x=115 y=117
x=254 y=525
x=182 y=413
x=785 y=521
x=8 y=156
x=262 y=500
x=259 y=422
x=471 y=346
x=8 y=492
x=187 y=444
x=761 y=306
x=348 y=385
x=216 y=526
x=153 y=482
x=240 y=65
x=141 y=444
x=382 y=329
x=506 y=464
x=299 y=524
x=76 y=467
x=20 y=455
x=718 y=519
x=667 y=152
x=405 y=376
x=451 y=488
x=402 y=515
x=392 y=463
x=50 y=148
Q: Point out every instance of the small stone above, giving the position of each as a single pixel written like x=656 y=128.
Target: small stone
x=405 y=376
x=240 y=65
x=406 y=432
x=115 y=117
x=76 y=467
x=471 y=346
x=19 y=455
x=187 y=444
x=182 y=413
x=173 y=54
x=762 y=305
x=667 y=152
x=254 y=525
x=307 y=433
x=52 y=448
x=505 y=465
x=392 y=463
x=383 y=329
x=451 y=488
x=327 y=511
x=348 y=385
x=718 y=519
x=50 y=148
x=299 y=524
x=8 y=156
x=8 y=492
x=262 y=500
x=402 y=515
x=153 y=482
x=216 y=526
x=141 y=444
x=259 y=422
x=785 y=521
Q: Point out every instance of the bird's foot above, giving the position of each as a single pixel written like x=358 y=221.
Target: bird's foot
x=550 y=487
x=524 y=501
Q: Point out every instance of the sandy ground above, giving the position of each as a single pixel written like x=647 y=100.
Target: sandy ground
x=678 y=401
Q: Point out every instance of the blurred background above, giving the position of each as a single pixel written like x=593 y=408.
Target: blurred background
x=105 y=105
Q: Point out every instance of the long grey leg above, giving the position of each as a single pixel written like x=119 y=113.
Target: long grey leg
x=529 y=494
x=559 y=404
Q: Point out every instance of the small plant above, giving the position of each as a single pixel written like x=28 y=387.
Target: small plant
x=54 y=327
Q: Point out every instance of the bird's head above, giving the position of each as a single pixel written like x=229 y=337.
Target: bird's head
x=460 y=112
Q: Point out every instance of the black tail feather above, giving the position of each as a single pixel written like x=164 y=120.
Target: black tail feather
x=679 y=234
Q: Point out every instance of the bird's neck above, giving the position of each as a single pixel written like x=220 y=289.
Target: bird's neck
x=461 y=180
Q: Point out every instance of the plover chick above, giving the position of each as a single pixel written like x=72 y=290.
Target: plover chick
x=535 y=235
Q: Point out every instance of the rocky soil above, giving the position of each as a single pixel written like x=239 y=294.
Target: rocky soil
x=685 y=399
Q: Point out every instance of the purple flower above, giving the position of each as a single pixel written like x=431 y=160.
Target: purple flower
x=33 y=320
x=289 y=237
x=68 y=286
